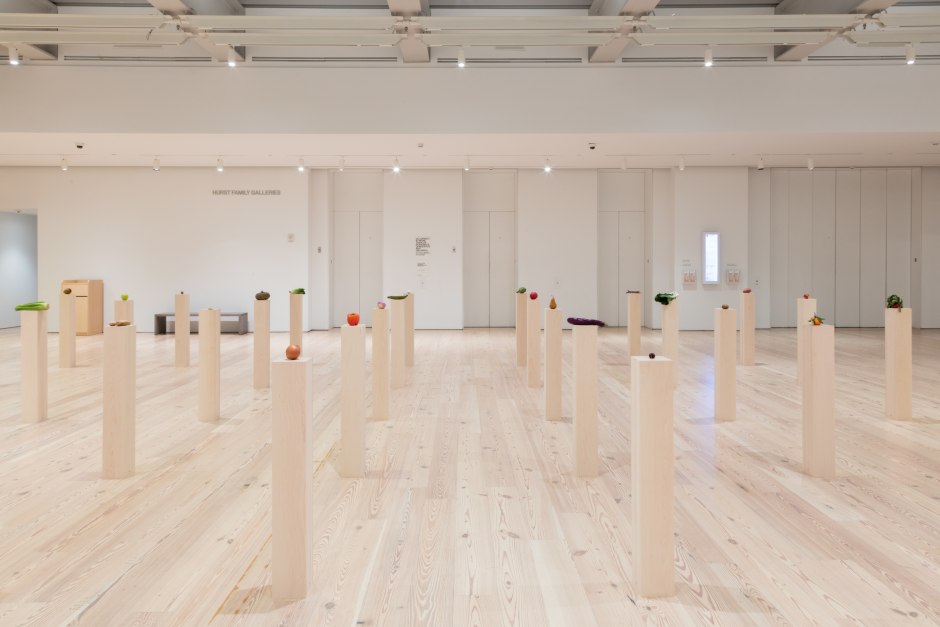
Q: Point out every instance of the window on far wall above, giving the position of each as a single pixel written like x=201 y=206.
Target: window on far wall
x=710 y=258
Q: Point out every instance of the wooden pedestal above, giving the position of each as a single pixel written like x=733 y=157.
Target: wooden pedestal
x=124 y=310
x=819 y=445
x=805 y=309
x=120 y=402
x=670 y=333
x=291 y=478
x=297 y=320
x=35 y=383
x=533 y=343
x=898 y=364
x=66 y=330
x=181 y=326
x=726 y=361
x=380 y=324
x=585 y=400
x=634 y=324
x=553 y=318
x=262 y=345
x=210 y=361
x=521 y=328
x=652 y=476
x=410 y=329
x=748 y=324
x=352 y=459
x=398 y=343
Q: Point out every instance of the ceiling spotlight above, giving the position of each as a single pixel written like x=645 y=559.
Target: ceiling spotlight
x=395 y=167
x=64 y=165
x=156 y=164
x=760 y=163
x=909 y=54
x=548 y=166
x=231 y=57
x=300 y=165
x=810 y=164
x=709 y=58
x=466 y=164
x=342 y=163
x=219 y=166
x=13 y=55
x=461 y=58
x=682 y=164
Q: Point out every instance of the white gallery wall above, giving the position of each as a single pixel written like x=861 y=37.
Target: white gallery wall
x=18 y=264
x=152 y=234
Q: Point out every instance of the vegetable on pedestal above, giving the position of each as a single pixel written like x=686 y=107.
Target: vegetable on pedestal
x=894 y=302
x=352 y=319
x=664 y=298
x=39 y=305
x=262 y=295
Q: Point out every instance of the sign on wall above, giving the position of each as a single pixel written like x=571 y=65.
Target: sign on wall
x=423 y=256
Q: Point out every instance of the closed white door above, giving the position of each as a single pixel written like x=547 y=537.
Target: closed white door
x=345 y=265
x=370 y=263
x=476 y=272
x=631 y=256
x=620 y=262
x=502 y=268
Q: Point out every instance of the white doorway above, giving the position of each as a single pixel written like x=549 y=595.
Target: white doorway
x=489 y=268
x=357 y=264
x=19 y=263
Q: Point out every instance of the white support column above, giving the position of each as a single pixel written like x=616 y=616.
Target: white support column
x=670 y=334
x=35 y=382
x=380 y=364
x=805 y=309
x=521 y=328
x=819 y=444
x=748 y=324
x=181 y=326
x=898 y=364
x=352 y=461
x=410 y=330
x=66 y=330
x=292 y=478
x=297 y=320
x=124 y=310
x=398 y=343
x=652 y=476
x=120 y=402
x=634 y=324
x=534 y=343
x=553 y=318
x=585 y=400
x=210 y=361
x=262 y=344
x=725 y=363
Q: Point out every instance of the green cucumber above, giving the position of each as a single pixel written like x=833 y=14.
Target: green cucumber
x=39 y=305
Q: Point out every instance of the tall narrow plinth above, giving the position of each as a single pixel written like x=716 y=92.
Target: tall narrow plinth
x=520 y=328
x=634 y=324
x=553 y=320
x=262 y=345
x=410 y=329
x=210 y=361
x=670 y=333
x=181 y=328
x=120 y=402
x=748 y=324
x=297 y=319
x=725 y=362
x=292 y=478
x=652 y=476
x=533 y=343
x=585 y=400
x=66 y=330
x=805 y=310
x=819 y=443
x=398 y=343
x=352 y=460
x=380 y=325
x=898 y=364
x=35 y=382
x=124 y=310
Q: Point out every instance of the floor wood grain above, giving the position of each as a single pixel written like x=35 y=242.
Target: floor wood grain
x=470 y=513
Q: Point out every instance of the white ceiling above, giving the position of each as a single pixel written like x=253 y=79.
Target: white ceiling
x=483 y=151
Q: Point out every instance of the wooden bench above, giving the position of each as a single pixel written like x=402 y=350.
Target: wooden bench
x=232 y=322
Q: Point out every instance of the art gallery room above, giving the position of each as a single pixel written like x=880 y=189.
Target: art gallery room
x=534 y=313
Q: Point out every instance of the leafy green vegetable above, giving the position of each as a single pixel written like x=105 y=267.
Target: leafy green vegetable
x=665 y=297
x=298 y=290
x=894 y=302
x=521 y=290
x=39 y=305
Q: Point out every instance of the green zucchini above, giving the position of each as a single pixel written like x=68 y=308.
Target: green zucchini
x=400 y=297
x=39 y=305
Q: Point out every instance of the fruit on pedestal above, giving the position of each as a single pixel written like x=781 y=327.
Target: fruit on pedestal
x=652 y=355
x=533 y=295
x=806 y=296
x=724 y=306
x=747 y=290
x=292 y=352
x=262 y=295
x=552 y=304
x=67 y=290
x=124 y=297
x=380 y=304
x=816 y=320
x=352 y=319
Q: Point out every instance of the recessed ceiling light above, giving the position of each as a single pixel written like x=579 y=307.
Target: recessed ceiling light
x=64 y=165
x=548 y=166
x=219 y=166
x=709 y=58
x=909 y=54
x=466 y=164
x=682 y=164
x=156 y=164
x=342 y=163
x=231 y=57
x=14 y=55
x=300 y=165
x=810 y=164
x=396 y=168
x=461 y=58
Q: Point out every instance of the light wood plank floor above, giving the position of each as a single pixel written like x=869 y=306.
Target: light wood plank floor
x=470 y=514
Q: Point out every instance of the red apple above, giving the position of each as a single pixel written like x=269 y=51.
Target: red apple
x=352 y=319
x=533 y=295
x=292 y=352
x=806 y=296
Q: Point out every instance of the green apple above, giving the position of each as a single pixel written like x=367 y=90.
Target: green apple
x=123 y=296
